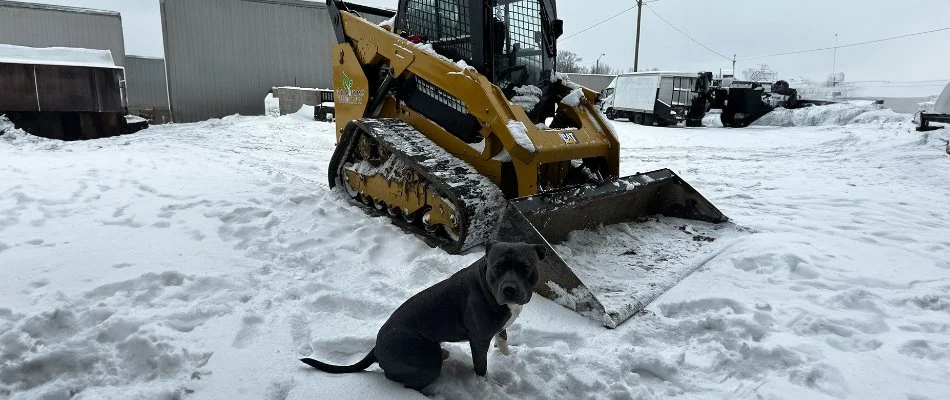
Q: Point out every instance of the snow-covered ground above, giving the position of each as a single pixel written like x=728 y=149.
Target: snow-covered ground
x=199 y=261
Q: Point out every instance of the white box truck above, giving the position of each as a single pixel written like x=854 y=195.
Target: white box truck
x=650 y=98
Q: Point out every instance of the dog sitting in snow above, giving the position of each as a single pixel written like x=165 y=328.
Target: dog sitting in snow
x=474 y=305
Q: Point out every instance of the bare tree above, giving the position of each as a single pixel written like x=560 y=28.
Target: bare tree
x=603 y=69
x=568 y=62
x=630 y=69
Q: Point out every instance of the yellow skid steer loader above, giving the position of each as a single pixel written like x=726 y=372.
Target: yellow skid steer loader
x=453 y=122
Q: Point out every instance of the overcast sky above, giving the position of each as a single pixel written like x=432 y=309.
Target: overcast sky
x=747 y=28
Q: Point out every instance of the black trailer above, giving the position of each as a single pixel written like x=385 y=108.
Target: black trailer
x=924 y=120
x=47 y=93
x=940 y=113
x=744 y=102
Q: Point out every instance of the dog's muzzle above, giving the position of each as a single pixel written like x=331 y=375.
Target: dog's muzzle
x=512 y=293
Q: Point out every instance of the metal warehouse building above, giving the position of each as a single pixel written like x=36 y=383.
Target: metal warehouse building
x=40 y=25
x=223 y=56
x=147 y=88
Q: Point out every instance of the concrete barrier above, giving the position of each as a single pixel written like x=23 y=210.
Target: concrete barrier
x=292 y=98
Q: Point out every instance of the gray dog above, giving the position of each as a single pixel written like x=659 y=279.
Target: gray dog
x=474 y=305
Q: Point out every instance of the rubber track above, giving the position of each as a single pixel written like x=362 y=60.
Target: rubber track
x=478 y=200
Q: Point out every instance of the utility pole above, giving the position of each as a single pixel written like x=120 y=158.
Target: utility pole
x=734 y=66
x=636 y=55
x=597 y=67
x=834 y=64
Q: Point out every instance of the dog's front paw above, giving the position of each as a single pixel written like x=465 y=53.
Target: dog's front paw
x=501 y=342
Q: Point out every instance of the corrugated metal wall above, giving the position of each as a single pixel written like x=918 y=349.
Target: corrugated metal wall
x=145 y=82
x=223 y=56
x=596 y=83
x=37 y=25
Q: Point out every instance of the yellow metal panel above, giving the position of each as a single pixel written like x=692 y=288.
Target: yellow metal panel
x=350 y=87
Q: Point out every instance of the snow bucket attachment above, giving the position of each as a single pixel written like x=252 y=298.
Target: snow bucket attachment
x=614 y=248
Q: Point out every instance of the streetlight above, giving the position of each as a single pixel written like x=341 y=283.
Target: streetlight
x=597 y=68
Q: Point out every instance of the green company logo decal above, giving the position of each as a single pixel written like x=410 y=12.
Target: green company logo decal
x=347 y=82
x=348 y=95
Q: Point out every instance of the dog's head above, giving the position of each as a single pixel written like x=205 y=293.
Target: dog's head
x=512 y=271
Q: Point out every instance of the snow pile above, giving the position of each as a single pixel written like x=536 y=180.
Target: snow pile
x=5 y=124
x=713 y=120
x=10 y=134
x=528 y=96
x=305 y=112
x=388 y=24
x=464 y=65
x=271 y=105
x=68 y=56
x=565 y=80
x=520 y=132
x=831 y=115
x=942 y=105
x=574 y=98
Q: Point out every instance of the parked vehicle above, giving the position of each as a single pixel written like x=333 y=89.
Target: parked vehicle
x=650 y=98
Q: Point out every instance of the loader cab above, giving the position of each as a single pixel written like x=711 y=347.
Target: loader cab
x=514 y=42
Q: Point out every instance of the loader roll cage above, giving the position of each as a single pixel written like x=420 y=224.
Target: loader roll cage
x=512 y=41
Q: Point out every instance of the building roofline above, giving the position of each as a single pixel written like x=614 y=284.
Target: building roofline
x=51 y=7
x=145 y=57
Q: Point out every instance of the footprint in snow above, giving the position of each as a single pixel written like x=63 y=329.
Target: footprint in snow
x=249 y=330
x=39 y=283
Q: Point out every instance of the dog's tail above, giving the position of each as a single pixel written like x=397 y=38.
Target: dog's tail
x=370 y=359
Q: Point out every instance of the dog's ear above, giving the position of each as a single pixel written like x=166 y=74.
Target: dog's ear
x=542 y=250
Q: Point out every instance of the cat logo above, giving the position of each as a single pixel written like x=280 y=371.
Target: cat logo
x=568 y=137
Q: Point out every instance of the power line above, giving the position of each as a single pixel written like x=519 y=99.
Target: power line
x=904 y=82
x=687 y=35
x=899 y=86
x=848 y=45
x=606 y=20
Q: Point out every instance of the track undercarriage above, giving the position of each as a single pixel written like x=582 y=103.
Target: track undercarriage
x=441 y=206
